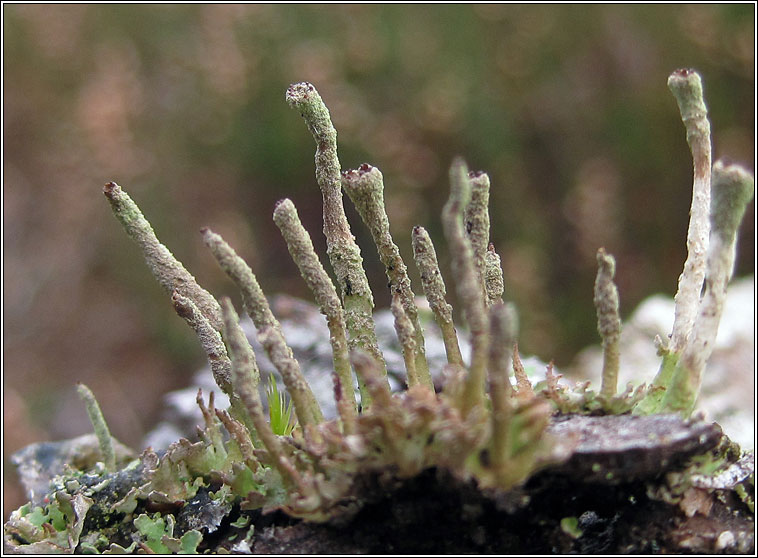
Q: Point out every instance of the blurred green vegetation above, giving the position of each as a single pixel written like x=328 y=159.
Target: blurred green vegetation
x=566 y=107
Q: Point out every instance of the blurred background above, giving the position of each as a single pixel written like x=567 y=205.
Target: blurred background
x=566 y=107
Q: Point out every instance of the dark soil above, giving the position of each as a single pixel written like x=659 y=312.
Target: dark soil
x=433 y=515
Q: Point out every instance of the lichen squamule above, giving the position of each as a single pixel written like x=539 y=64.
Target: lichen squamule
x=488 y=425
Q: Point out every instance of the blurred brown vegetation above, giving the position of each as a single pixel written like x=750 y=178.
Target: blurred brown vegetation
x=566 y=107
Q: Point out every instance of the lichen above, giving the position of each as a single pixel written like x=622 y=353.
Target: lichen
x=482 y=428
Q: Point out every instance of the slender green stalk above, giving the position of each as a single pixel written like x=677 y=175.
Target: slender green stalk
x=688 y=90
x=169 y=271
x=301 y=249
x=733 y=189
x=608 y=321
x=269 y=330
x=502 y=336
x=494 y=286
x=434 y=290
x=343 y=252
x=365 y=186
x=476 y=221
x=405 y=335
x=467 y=284
x=102 y=433
x=246 y=377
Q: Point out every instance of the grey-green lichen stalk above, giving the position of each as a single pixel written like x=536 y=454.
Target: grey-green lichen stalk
x=481 y=427
x=343 y=252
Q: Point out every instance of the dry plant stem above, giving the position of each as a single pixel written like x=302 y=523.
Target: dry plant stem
x=522 y=380
x=365 y=186
x=246 y=378
x=301 y=249
x=502 y=333
x=688 y=89
x=476 y=221
x=467 y=284
x=102 y=433
x=269 y=330
x=343 y=252
x=169 y=271
x=434 y=290
x=608 y=321
x=733 y=189
x=407 y=338
x=494 y=286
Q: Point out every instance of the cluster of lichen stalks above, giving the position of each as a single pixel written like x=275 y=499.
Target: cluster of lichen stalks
x=481 y=426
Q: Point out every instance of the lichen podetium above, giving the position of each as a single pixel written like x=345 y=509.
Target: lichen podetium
x=481 y=428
